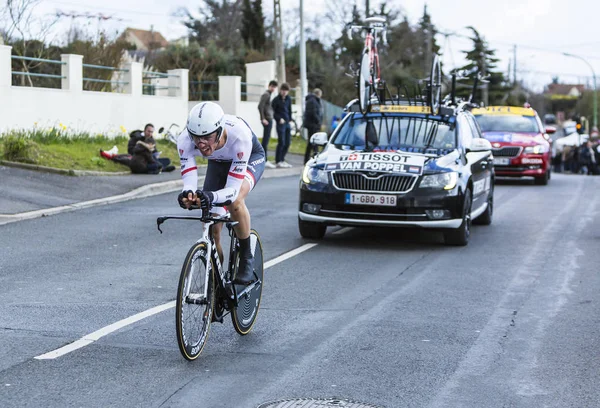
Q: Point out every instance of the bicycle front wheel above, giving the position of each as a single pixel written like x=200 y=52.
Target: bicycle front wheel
x=364 y=83
x=244 y=315
x=195 y=302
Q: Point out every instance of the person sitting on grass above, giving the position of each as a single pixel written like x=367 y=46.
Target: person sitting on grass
x=142 y=156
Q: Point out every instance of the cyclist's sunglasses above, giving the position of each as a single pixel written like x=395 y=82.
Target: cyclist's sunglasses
x=205 y=138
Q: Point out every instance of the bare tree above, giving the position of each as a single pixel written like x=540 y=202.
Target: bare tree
x=21 y=28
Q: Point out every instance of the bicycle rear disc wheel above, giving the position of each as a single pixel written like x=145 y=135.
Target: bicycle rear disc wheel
x=364 y=83
x=244 y=315
x=193 y=310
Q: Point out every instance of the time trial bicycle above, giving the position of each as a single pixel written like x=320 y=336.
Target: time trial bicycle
x=206 y=292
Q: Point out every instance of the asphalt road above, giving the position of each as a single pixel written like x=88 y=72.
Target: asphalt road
x=386 y=317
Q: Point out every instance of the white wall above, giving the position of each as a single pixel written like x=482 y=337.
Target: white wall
x=107 y=112
x=102 y=112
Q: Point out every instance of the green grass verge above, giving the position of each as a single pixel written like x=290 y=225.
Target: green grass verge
x=57 y=148
x=81 y=151
x=297 y=146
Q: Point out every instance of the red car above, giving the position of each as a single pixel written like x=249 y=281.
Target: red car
x=520 y=142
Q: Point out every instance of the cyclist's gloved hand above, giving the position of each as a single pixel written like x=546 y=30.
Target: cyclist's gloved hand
x=206 y=199
x=184 y=194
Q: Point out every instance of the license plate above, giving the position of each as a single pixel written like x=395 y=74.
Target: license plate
x=501 y=161
x=371 y=199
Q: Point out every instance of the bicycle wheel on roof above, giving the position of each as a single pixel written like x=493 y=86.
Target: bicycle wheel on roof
x=434 y=94
x=364 y=82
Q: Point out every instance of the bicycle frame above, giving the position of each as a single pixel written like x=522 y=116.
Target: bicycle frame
x=207 y=238
x=376 y=24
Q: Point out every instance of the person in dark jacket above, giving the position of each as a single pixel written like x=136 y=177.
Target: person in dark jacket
x=313 y=118
x=266 y=117
x=282 y=112
x=142 y=156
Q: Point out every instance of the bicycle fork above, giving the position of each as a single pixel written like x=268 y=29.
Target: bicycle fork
x=202 y=298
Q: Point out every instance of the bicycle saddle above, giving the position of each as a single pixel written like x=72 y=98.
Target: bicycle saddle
x=375 y=20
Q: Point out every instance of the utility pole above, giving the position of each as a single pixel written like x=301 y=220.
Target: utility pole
x=279 y=49
x=367 y=8
x=303 y=79
x=484 y=85
x=428 y=32
x=515 y=65
x=595 y=115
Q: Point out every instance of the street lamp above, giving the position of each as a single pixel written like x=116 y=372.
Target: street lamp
x=595 y=88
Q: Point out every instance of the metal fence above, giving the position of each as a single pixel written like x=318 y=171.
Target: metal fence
x=153 y=81
x=46 y=73
x=204 y=91
x=101 y=78
x=37 y=75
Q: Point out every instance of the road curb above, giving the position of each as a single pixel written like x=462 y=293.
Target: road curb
x=64 y=172
x=140 y=192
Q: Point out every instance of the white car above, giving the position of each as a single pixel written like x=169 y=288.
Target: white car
x=569 y=127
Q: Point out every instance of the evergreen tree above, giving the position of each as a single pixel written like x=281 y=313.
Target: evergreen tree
x=220 y=22
x=426 y=32
x=260 y=38
x=248 y=23
x=482 y=59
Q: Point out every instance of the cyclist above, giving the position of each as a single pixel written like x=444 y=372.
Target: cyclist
x=236 y=161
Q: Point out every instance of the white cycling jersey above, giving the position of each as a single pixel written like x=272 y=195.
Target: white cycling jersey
x=237 y=150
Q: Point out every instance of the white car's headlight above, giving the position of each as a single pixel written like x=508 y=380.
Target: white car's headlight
x=312 y=175
x=537 y=149
x=447 y=181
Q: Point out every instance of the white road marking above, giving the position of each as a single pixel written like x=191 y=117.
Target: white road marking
x=92 y=337
x=95 y=336
x=288 y=255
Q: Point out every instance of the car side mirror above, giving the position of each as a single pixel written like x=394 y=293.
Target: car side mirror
x=161 y=130
x=550 y=130
x=319 y=139
x=479 y=145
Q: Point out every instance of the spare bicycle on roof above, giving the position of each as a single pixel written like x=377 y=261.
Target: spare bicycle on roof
x=372 y=89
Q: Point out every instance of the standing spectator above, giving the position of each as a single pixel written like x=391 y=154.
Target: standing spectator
x=313 y=118
x=587 y=158
x=266 y=117
x=282 y=112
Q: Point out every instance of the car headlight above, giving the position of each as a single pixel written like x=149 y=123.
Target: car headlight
x=313 y=175
x=537 y=149
x=447 y=181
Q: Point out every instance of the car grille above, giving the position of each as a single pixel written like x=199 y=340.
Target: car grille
x=507 y=151
x=380 y=183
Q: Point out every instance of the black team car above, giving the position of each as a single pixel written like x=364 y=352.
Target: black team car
x=400 y=166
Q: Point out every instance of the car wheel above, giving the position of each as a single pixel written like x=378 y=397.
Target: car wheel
x=311 y=230
x=542 y=181
x=460 y=235
x=486 y=217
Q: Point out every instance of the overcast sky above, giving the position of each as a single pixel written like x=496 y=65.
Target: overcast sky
x=541 y=29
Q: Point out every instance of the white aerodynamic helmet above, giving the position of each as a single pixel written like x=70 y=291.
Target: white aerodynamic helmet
x=204 y=119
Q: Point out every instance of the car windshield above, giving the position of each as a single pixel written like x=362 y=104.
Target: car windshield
x=507 y=123
x=404 y=133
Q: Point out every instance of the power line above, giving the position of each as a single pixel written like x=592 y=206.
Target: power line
x=454 y=33
x=87 y=15
x=127 y=11
x=533 y=71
